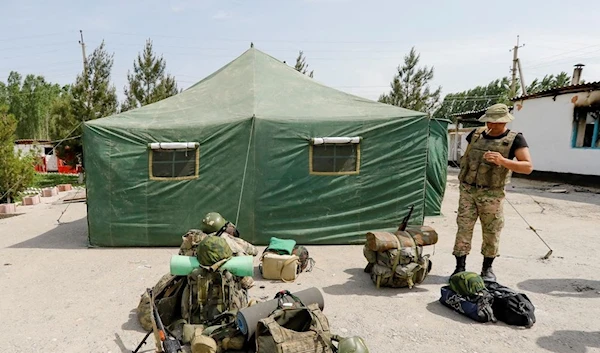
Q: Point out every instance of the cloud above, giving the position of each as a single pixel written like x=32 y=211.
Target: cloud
x=221 y=15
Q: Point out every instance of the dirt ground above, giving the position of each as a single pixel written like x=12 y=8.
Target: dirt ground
x=56 y=295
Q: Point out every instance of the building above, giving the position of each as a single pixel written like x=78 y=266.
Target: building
x=561 y=127
x=274 y=151
x=457 y=134
x=47 y=161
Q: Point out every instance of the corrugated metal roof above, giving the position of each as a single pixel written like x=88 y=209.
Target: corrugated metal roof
x=476 y=112
x=590 y=86
x=31 y=141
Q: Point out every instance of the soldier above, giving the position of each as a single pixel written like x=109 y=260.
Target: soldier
x=485 y=169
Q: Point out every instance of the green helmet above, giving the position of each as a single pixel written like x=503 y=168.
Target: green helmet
x=353 y=344
x=212 y=222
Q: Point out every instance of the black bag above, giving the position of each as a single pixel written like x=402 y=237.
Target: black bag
x=511 y=307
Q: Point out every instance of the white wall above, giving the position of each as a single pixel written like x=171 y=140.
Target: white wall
x=25 y=148
x=551 y=149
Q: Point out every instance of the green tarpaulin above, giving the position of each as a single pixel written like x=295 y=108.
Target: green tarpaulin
x=437 y=166
x=272 y=150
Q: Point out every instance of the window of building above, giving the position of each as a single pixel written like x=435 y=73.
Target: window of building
x=585 y=127
x=174 y=160
x=334 y=155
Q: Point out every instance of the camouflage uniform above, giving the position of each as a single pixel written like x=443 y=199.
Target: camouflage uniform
x=482 y=192
x=487 y=204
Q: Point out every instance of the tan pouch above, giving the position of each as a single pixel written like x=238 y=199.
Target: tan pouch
x=280 y=267
x=203 y=344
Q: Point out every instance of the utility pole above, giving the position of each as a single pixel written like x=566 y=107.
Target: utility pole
x=513 y=85
x=82 y=43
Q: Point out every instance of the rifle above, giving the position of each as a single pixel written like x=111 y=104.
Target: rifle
x=404 y=224
x=164 y=343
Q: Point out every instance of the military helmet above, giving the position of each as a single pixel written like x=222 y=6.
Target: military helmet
x=213 y=222
x=352 y=344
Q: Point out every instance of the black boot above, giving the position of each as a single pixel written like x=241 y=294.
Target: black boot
x=460 y=264
x=486 y=271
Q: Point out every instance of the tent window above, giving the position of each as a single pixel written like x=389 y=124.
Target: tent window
x=328 y=158
x=173 y=164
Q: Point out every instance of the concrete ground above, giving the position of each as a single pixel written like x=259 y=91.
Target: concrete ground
x=56 y=295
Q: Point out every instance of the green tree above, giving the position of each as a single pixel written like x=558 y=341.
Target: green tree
x=62 y=118
x=301 y=65
x=29 y=101
x=92 y=97
x=549 y=82
x=3 y=94
x=497 y=91
x=476 y=98
x=410 y=86
x=37 y=96
x=148 y=83
x=16 y=169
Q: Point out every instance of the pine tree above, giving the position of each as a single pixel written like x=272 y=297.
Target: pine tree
x=93 y=97
x=410 y=89
x=301 y=65
x=148 y=83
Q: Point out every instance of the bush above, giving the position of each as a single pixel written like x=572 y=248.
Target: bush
x=16 y=169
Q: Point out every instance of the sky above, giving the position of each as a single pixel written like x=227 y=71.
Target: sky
x=353 y=46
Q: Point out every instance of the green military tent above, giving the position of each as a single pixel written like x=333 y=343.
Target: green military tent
x=437 y=166
x=274 y=151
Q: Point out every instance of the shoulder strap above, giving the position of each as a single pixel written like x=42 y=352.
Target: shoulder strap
x=474 y=138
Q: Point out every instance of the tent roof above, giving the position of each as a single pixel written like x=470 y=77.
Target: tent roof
x=254 y=84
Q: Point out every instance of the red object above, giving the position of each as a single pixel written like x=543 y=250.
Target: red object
x=63 y=168
x=41 y=167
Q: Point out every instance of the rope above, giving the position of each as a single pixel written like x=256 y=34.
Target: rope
x=530 y=227
x=245 y=169
x=66 y=208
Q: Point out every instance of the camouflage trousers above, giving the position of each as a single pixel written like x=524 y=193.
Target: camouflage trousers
x=487 y=205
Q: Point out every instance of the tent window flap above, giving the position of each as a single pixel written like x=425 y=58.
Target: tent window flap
x=334 y=155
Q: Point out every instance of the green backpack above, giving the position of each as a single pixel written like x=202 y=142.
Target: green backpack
x=467 y=284
x=213 y=249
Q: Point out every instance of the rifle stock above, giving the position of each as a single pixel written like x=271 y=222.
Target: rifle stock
x=164 y=343
x=404 y=224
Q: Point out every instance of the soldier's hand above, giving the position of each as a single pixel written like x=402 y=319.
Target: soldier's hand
x=494 y=157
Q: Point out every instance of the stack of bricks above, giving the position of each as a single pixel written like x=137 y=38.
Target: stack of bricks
x=64 y=187
x=31 y=200
x=49 y=192
x=8 y=208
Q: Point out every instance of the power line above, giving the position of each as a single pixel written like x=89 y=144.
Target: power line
x=33 y=36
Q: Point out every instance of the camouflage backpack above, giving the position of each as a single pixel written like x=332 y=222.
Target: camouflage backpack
x=210 y=292
x=168 y=292
x=397 y=268
x=294 y=330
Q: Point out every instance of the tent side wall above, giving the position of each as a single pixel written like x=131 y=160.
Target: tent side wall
x=437 y=166
x=334 y=209
x=127 y=208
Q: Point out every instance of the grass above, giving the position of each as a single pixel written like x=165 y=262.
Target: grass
x=53 y=179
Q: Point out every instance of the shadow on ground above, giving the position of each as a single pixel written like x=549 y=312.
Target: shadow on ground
x=72 y=235
x=439 y=309
x=360 y=283
x=133 y=323
x=570 y=341
x=563 y=287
